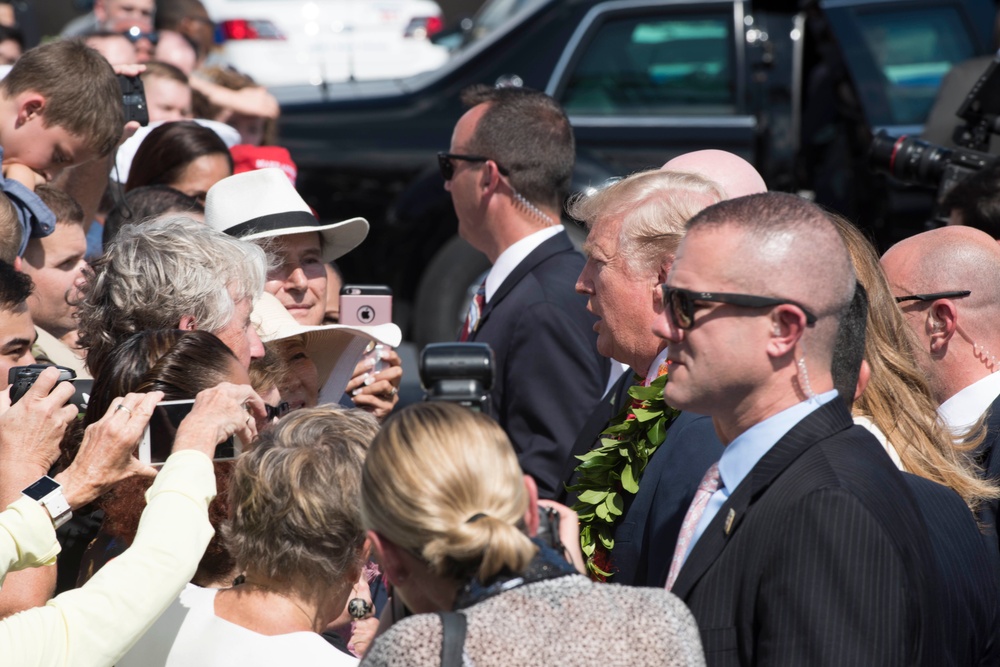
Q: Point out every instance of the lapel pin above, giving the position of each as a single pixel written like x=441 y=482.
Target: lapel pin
x=729 y=521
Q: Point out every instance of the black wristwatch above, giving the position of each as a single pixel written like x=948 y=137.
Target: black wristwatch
x=48 y=493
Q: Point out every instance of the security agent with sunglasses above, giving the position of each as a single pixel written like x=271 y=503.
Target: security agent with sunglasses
x=947 y=282
x=804 y=546
x=508 y=170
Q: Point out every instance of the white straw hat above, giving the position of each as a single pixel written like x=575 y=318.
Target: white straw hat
x=334 y=348
x=263 y=203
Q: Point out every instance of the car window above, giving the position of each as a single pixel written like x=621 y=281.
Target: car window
x=913 y=50
x=639 y=66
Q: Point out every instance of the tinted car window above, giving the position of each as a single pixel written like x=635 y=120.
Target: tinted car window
x=640 y=66
x=913 y=50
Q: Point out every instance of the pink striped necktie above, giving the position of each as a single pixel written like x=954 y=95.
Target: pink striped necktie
x=475 y=312
x=709 y=485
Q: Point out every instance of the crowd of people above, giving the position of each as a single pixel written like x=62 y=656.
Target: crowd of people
x=726 y=433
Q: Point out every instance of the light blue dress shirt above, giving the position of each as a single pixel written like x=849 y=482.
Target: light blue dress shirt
x=743 y=453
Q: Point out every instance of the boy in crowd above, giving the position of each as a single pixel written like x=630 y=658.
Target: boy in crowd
x=44 y=128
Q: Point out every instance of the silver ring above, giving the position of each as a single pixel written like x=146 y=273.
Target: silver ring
x=393 y=392
x=122 y=407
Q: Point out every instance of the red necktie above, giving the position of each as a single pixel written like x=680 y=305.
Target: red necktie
x=475 y=312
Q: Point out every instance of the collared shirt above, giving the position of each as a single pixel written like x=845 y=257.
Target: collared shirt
x=749 y=447
x=514 y=255
x=966 y=407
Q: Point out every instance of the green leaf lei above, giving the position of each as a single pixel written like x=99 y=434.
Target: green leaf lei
x=615 y=468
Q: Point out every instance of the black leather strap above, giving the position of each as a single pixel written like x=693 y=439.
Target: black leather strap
x=452 y=638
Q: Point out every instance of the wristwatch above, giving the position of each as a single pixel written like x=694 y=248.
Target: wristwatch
x=48 y=493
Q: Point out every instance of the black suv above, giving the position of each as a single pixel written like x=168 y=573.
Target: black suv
x=796 y=89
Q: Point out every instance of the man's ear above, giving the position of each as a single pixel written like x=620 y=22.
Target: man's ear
x=787 y=325
x=29 y=105
x=100 y=12
x=864 y=374
x=531 y=514
x=187 y=323
x=942 y=324
x=489 y=177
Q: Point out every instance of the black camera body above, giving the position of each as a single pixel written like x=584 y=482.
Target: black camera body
x=918 y=162
x=21 y=378
x=459 y=373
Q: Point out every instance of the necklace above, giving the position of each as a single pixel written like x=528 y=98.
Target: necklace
x=613 y=469
x=271 y=591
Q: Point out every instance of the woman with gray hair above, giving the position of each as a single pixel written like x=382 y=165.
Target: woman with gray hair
x=295 y=532
x=172 y=273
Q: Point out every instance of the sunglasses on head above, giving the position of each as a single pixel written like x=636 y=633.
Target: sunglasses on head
x=681 y=304
x=448 y=168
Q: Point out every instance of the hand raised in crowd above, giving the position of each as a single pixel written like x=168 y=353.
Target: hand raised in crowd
x=105 y=457
x=224 y=410
x=377 y=393
x=31 y=429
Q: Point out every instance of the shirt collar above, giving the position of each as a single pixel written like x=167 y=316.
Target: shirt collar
x=966 y=407
x=514 y=255
x=749 y=447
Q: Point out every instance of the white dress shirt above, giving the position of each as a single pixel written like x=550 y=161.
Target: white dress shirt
x=514 y=255
x=966 y=407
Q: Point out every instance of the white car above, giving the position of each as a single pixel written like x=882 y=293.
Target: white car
x=292 y=42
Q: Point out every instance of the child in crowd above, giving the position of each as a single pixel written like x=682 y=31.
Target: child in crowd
x=45 y=128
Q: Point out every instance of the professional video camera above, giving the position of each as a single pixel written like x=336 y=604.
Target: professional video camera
x=917 y=162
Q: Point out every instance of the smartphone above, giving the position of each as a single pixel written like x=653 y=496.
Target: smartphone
x=134 y=99
x=365 y=305
x=158 y=438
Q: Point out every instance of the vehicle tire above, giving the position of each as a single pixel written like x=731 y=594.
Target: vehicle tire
x=444 y=292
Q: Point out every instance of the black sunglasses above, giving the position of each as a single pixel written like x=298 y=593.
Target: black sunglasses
x=934 y=296
x=277 y=411
x=448 y=169
x=681 y=303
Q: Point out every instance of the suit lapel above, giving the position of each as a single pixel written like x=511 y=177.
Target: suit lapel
x=821 y=423
x=557 y=244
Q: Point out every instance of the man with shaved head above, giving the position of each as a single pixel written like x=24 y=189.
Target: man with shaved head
x=736 y=176
x=803 y=545
x=947 y=281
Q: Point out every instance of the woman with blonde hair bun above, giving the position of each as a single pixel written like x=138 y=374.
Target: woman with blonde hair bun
x=450 y=513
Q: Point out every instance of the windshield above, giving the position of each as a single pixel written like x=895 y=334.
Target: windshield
x=913 y=50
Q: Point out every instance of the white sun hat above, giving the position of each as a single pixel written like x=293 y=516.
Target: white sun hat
x=335 y=348
x=263 y=203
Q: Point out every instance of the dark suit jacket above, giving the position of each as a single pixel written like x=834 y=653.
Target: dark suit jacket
x=597 y=421
x=969 y=586
x=647 y=532
x=549 y=375
x=988 y=458
x=819 y=557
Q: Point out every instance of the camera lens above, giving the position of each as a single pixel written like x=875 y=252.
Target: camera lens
x=908 y=159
